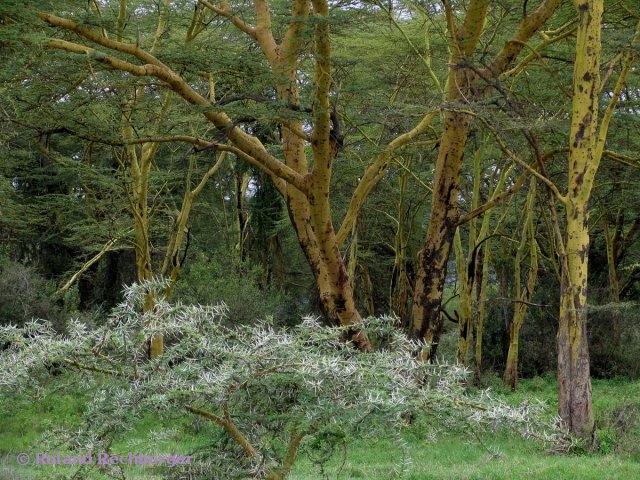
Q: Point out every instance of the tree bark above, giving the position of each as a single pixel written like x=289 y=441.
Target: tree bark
x=585 y=152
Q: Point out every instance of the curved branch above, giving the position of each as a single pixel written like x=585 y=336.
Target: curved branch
x=247 y=147
x=98 y=38
x=529 y=25
x=224 y=11
x=375 y=172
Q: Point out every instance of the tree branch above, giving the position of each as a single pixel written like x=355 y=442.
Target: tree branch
x=375 y=172
x=528 y=26
x=247 y=147
x=230 y=427
x=225 y=11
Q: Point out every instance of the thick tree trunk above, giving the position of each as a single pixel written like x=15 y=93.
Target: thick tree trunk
x=329 y=270
x=586 y=143
x=426 y=322
x=432 y=259
x=574 y=381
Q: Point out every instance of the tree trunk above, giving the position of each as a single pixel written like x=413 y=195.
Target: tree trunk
x=329 y=271
x=574 y=381
x=481 y=282
x=523 y=295
x=367 y=289
x=585 y=151
x=279 y=266
x=432 y=259
x=400 y=283
x=511 y=367
x=466 y=276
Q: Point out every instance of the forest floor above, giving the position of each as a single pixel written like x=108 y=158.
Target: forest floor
x=418 y=456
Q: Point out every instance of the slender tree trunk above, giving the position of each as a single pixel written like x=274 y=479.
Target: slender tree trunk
x=484 y=259
x=400 y=283
x=242 y=181
x=278 y=261
x=367 y=289
x=466 y=277
x=523 y=295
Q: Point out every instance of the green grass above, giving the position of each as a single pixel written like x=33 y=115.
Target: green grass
x=452 y=458
x=500 y=455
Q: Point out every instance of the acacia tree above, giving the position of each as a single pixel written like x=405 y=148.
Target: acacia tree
x=132 y=115
x=465 y=83
x=522 y=294
x=309 y=135
x=587 y=140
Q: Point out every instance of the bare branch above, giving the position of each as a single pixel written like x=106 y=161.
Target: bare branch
x=375 y=172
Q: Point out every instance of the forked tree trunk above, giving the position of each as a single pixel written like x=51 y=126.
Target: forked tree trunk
x=432 y=260
x=329 y=271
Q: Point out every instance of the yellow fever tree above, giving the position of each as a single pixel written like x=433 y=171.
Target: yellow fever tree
x=586 y=145
x=296 y=48
x=465 y=84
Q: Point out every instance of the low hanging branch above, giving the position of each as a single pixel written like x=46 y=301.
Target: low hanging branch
x=108 y=247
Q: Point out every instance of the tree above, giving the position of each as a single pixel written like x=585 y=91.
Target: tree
x=587 y=141
x=308 y=126
x=271 y=393
x=465 y=83
x=523 y=294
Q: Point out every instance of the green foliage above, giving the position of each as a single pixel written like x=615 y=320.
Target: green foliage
x=213 y=279
x=614 y=340
x=24 y=295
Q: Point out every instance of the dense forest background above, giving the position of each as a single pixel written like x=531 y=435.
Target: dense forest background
x=440 y=162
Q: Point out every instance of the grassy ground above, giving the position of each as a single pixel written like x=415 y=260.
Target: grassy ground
x=499 y=456
x=451 y=458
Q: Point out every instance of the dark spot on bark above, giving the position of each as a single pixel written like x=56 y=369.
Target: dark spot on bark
x=583 y=8
x=581 y=128
x=579 y=181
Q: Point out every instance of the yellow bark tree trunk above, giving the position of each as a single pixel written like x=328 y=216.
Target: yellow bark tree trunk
x=433 y=258
x=586 y=145
x=523 y=295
